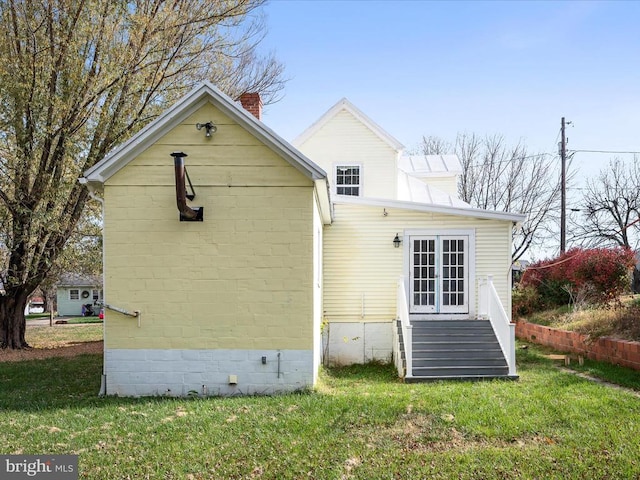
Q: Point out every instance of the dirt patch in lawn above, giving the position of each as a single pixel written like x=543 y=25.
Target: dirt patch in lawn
x=52 y=350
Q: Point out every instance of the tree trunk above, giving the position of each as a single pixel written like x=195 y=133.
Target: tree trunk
x=12 y=321
x=635 y=283
x=49 y=296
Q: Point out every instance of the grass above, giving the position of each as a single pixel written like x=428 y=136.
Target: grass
x=60 y=335
x=77 y=320
x=618 y=320
x=625 y=377
x=360 y=423
x=616 y=374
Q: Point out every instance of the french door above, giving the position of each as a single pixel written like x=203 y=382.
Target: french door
x=439 y=274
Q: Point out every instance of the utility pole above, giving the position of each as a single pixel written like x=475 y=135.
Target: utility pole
x=563 y=189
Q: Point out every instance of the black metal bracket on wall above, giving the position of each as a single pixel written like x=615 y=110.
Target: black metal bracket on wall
x=187 y=213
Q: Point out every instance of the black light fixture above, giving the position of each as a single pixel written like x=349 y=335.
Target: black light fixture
x=397 y=241
x=209 y=128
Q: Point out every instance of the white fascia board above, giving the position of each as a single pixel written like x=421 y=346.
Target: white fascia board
x=424 y=207
x=324 y=201
x=120 y=156
x=190 y=103
x=356 y=112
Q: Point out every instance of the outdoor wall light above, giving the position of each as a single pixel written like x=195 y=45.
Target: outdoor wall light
x=209 y=128
x=397 y=241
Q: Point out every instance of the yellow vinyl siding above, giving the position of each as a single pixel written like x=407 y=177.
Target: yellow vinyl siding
x=345 y=140
x=242 y=278
x=362 y=266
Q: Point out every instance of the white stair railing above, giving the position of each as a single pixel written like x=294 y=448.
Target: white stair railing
x=490 y=306
x=402 y=311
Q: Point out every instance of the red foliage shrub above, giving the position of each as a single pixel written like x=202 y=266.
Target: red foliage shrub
x=600 y=274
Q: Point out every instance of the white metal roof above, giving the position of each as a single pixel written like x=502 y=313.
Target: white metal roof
x=430 y=165
x=411 y=189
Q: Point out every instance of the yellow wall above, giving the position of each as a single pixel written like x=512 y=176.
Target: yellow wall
x=345 y=140
x=241 y=279
x=362 y=266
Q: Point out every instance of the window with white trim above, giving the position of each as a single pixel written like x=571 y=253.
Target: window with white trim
x=97 y=295
x=74 y=294
x=348 y=180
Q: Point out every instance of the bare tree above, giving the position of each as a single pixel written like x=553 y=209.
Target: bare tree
x=76 y=79
x=506 y=178
x=611 y=210
x=611 y=207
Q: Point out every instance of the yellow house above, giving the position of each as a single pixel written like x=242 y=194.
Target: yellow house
x=411 y=272
x=234 y=262
x=217 y=293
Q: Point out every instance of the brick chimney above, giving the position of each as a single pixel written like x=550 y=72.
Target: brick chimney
x=252 y=104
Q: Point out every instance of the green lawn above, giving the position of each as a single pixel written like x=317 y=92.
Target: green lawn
x=60 y=335
x=360 y=423
x=77 y=320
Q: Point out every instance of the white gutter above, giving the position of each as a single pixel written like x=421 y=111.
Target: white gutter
x=430 y=207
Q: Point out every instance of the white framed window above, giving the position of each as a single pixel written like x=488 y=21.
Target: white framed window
x=348 y=179
x=97 y=295
x=74 y=294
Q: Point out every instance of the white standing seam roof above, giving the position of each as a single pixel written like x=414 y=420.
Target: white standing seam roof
x=346 y=105
x=430 y=165
x=411 y=189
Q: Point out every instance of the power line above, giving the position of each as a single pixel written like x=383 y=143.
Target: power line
x=512 y=159
x=602 y=151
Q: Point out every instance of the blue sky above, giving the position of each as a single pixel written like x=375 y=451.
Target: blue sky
x=437 y=68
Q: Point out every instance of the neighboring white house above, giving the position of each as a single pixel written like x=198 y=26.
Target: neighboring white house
x=75 y=291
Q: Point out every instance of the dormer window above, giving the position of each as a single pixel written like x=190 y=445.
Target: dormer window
x=348 y=180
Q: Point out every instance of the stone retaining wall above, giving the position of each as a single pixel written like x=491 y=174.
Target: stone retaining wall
x=605 y=349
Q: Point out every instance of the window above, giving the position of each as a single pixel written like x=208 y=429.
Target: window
x=348 y=180
x=97 y=295
x=74 y=294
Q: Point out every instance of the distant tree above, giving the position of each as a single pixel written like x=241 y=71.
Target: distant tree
x=611 y=209
x=508 y=179
x=82 y=254
x=78 y=78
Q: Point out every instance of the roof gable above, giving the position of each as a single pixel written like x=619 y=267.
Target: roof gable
x=346 y=105
x=190 y=103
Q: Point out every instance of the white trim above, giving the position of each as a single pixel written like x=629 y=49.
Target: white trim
x=344 y=104
x=191 y=102
x=77 y=290
x=432 y=208
x=471 y=270
x=334 y=179
x=322 y=197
